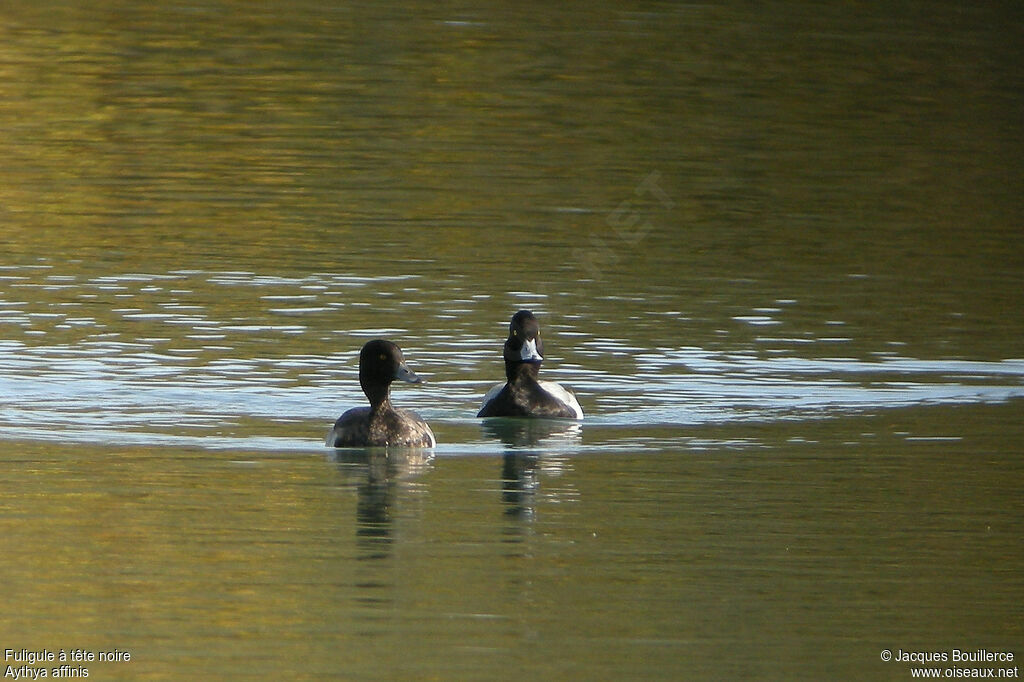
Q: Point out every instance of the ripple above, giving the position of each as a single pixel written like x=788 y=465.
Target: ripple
x=211 y=356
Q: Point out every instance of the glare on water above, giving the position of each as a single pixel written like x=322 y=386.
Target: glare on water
x=774 y=252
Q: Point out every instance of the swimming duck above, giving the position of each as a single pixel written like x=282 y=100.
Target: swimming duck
x=524 y=395
x=380 y=424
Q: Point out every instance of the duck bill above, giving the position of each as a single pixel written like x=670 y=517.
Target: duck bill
x=406 y=374
x=529 y=353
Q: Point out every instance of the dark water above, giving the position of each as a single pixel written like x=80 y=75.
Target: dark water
x=775 y=250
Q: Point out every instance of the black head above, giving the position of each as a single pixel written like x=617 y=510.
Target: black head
x=524 y=345
x=380 y=363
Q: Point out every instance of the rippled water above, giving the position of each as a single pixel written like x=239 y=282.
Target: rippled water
x=236 y=359
x=775 y=252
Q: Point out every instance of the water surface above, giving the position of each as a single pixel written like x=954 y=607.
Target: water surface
x=774 y=251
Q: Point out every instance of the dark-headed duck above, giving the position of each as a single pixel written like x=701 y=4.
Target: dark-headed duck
x=381 y=424
x=524 y=395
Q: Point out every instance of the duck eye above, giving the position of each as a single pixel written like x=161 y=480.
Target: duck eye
x=515 y=332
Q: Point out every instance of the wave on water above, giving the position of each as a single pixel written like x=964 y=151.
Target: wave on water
x=121 y=394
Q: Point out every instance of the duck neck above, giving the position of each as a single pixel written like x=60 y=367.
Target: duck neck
x=520 y=372
x=379 y=397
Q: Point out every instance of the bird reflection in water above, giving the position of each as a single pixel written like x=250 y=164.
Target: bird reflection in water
x=529 y=445
x=377 y=473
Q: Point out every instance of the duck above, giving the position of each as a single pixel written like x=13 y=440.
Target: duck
x=381 y=424
x=524 y=394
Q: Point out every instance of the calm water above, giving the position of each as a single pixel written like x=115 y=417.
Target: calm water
x=775 y=250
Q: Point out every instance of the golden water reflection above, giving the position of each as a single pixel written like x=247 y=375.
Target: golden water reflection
x=774 y=249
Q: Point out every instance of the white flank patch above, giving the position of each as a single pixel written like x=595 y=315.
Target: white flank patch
x=564 y=395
